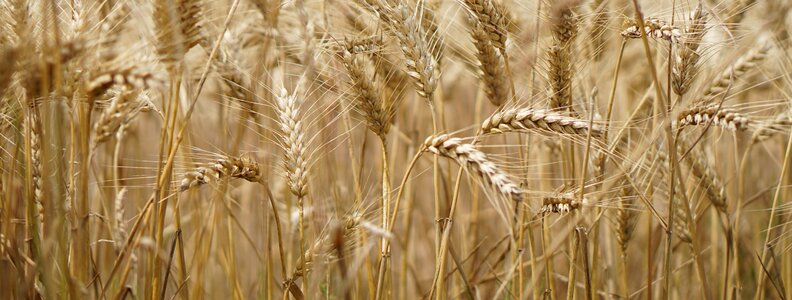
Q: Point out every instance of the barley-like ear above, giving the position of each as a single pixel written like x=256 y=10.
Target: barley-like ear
x=710 y=181
x=124 y=106
x=491 y=67
x=598 y=27
x=177 y=29
x=476 y=162
x=492 y=21
x=564 y=26
x=538 y=120
x=766 y=130
x=421 y=64
x=743 y=64
x=655 y=28
x=33 y=123
x=561 y=204
x=719 y=116
x=687 y=56
x=293 y=140
x=226 y=167
x=367 y=93
x=625 y=215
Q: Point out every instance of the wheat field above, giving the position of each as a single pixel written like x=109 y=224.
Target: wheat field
x=395 y=149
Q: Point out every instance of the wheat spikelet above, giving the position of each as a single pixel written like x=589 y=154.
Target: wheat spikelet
x=540 y=120
x=561 y=204
x=177 y=29
x=781 y=123
x=491 y=19
x=625 y=216
x=719 y=116
x=743 y=64
x=476 y=162
x=34 y=130
x=293 y=139
x=564 y=27
x=687 y=57
x=226 y=167
x=491 y=67
x=654 y=27
x=421 y=65
x=710 y=181
x=124 y=106
x=367 y=95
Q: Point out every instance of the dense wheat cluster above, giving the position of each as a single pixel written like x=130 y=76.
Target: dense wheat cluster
x=395 y=149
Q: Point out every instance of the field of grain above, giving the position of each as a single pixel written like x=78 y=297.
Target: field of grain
x=395 y=149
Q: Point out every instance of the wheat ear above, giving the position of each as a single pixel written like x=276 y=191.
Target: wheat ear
x=226 y=167
x=539 y=120
x=687 y=56
x=476 y=162
x=655 y=28
x=724 y=117
x=491 y=66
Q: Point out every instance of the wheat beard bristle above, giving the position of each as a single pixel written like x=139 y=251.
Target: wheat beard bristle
x=476 y=162
x=540 y=120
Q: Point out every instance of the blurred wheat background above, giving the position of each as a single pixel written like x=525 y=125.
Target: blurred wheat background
x=395 y=149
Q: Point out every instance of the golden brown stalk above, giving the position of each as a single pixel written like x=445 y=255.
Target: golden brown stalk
x=564 y=27
x=539 y=120
x=367 y=94
x=491 y=67
x=492 y=21
x=476 y=162
x=719 y=116
x=226 y=167
x=655 y=28
x=687 y=56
